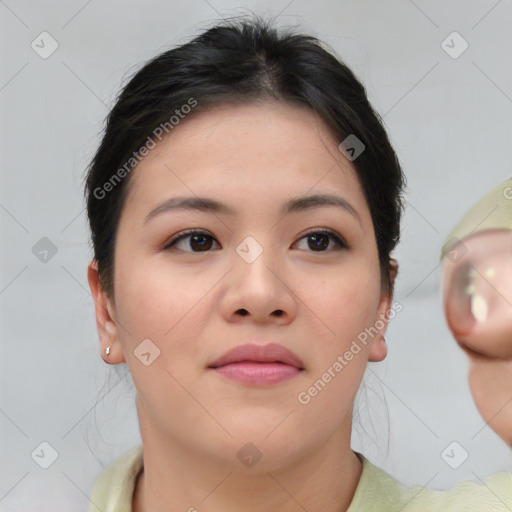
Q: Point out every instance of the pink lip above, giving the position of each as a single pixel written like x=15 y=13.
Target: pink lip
x=258 y=364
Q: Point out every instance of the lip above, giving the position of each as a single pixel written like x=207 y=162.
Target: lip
x=258 y=365
x=271 y=353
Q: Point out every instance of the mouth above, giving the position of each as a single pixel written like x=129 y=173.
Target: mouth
x=258 y=365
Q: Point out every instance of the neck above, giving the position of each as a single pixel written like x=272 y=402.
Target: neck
x=176 y=479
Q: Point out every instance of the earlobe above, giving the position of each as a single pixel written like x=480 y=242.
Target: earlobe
x=379 y=347
x=110 y=346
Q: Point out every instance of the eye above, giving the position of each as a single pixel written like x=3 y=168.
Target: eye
x=319 y=239
x=200 y=241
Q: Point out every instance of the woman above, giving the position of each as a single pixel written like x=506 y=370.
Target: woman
x=243 y=204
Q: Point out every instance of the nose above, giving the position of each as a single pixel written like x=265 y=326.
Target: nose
x=259 y=290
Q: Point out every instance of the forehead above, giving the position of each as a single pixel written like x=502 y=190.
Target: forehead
x=264 y=152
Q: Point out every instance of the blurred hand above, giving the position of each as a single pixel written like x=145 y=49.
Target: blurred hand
x=477 y=296
x=490 y=381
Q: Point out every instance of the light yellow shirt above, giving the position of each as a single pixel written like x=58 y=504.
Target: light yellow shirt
x=377 y=491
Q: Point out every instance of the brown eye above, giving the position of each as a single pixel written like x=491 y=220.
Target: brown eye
x=199 y=241
x=319 y=240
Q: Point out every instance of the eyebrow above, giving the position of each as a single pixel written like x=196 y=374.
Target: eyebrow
x=205 y=204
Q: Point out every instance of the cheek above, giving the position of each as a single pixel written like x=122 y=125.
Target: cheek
x=163 y=305
x=345 y=303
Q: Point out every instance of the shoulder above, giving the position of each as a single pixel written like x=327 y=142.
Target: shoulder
x=114 y=487
x=378 y=491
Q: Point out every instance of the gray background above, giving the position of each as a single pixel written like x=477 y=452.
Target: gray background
x=448 y=118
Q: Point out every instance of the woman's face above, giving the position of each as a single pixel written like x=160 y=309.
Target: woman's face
x=254 y=277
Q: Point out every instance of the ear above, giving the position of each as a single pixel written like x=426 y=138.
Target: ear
x=105 y=319
x=379 y=348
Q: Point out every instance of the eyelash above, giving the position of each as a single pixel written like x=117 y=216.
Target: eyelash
x=340 y=243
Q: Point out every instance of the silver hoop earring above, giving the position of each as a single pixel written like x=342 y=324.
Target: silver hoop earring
x=107 y=351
